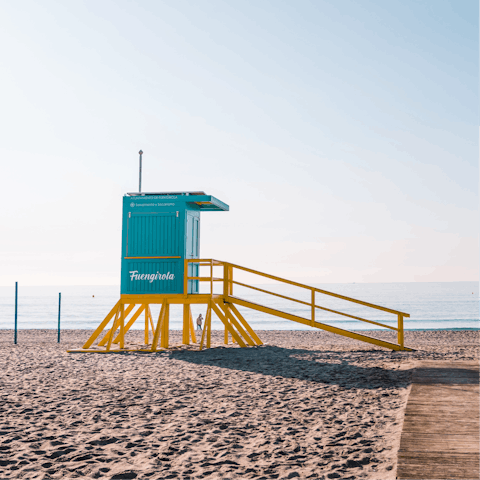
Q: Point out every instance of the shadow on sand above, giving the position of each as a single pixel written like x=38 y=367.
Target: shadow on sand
x=308 y=365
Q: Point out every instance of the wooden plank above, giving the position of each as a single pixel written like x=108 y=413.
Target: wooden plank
x=462 y=459
x=440 y=437
x=436 y=472
x=460 y=428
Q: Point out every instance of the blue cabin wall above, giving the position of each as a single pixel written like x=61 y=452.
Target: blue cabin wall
x=153 y=229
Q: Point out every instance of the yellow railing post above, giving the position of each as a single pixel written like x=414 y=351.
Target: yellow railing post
x=225 y=281
x=400 y=330
x=211 y=276
x=185 y=277
x=313 y=307
x=230 y=280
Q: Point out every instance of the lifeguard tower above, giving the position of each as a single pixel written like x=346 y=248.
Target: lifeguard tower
x=160 y=265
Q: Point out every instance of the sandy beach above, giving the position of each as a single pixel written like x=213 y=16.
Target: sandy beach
x=304 y=405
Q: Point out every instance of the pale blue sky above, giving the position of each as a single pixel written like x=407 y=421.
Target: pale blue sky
x=343 y=134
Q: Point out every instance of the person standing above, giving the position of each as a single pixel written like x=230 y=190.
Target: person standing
x=199 y=322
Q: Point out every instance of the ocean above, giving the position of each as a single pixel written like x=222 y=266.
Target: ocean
x=435 y=305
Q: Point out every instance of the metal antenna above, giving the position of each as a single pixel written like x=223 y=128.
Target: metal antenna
x=140 y=173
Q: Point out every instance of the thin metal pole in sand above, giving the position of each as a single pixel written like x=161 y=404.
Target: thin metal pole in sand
x=16 y=307
x=59 y=307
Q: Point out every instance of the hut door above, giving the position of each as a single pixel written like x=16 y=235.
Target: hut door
x=192 y=240
x=192 y=250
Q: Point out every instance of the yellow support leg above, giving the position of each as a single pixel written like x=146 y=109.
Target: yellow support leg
x=146 y=325
x=400 y=331
x=102 y=326
x=165 y=327
x=225 y=337
x=156 y=335
x=186 y=325
x=192 y=329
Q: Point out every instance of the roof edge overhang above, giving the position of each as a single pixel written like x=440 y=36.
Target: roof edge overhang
x=197 y=200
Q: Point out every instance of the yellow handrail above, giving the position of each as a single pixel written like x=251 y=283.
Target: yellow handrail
x=228 y=280
x=312 y=304
x=325 y=292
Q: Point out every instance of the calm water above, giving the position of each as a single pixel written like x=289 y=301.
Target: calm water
x=431 y=306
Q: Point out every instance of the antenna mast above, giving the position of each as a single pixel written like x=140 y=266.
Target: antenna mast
x=140 y=173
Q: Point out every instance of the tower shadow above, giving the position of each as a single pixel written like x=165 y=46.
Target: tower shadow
x=306 y=365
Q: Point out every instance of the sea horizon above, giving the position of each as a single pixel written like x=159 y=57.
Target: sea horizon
x=431 y=305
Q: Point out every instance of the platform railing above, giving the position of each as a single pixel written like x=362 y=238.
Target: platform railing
x=229 y=282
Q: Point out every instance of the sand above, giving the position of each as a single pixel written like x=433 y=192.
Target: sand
x=305 y=405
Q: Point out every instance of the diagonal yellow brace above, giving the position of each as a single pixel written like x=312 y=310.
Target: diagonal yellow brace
x=132 y=320
x=205 y=325
x=150 y=316
x=104 y=340
x=102 y=326
x=222 y=317
x=247 y=326
x=122 y=326
x=114 y=327
x=236 y=324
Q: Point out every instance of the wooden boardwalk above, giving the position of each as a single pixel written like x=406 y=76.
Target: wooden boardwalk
x=440 y=437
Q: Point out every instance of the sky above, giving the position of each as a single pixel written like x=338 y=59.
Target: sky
x=342 y=134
